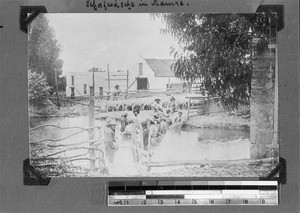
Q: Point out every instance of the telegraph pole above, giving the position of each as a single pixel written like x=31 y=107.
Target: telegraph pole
x=127 y=79
x=108 y=78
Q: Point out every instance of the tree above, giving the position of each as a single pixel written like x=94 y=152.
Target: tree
x=62 y=83
x=216 y=49
x=38 y=88
x=44 y=50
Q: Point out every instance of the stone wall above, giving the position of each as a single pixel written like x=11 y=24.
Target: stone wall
x=262 y=104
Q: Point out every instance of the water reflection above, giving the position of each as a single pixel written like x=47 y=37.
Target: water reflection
x=185 y=145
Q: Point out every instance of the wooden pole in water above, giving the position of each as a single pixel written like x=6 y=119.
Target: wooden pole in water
x=188 y=112
x=91 y=130
x=92 y=122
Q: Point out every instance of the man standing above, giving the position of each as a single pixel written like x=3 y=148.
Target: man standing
x=124 y=121
x=117 y=91
x=163 y=126
x=110 y=139
x=145 y=135
x=129 y=129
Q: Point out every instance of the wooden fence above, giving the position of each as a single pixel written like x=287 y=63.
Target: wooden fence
x=199 y=105
x=48 y=151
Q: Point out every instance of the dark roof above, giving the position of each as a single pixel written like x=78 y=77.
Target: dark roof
x=161 y=67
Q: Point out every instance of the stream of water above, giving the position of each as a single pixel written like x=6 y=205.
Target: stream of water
x=186 y=144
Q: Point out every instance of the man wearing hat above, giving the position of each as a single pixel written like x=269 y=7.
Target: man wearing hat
x=117 y=91
x=156 y=105
x=178 y=118
x=110 y=139
x=173 y=104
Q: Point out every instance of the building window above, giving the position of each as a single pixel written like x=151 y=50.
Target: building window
x=91 y=90
x=72 y=77
x=84 y=89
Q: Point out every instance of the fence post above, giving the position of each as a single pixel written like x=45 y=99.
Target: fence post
x=91 y=130
x=207 y=103
x=188 y=112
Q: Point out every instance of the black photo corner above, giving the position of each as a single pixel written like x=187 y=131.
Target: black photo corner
x=149 y=106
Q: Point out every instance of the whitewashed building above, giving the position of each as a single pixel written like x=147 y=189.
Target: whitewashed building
x=154 y=74
x=145 y=74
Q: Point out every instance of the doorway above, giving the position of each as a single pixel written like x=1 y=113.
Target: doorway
x=142 y=84
x=72 y=92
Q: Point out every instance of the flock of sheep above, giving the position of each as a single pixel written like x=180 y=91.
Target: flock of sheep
x=143 y=103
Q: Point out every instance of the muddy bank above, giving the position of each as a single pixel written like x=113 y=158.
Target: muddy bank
x=46 y=109
x=220 y=120
x=236 y=170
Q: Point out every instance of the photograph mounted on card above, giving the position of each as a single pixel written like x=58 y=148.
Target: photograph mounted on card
x=153 y=95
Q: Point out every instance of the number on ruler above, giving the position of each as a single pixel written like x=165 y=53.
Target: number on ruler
x=177 y=201
x=118 y=202
x=126 y=202
x=143 y=202
x=194 y=201
x=262 y=201
x=228 y=201
x=245 y=201
x=211 y=201
x=160 y=202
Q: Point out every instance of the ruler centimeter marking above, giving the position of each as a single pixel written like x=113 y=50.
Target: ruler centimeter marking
x=155 y=193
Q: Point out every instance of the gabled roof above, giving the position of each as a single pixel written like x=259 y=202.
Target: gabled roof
x=161 y=67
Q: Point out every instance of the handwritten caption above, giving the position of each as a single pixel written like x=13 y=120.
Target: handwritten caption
x=129 y=4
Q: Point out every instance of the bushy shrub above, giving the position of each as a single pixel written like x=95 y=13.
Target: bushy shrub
x=38 y=88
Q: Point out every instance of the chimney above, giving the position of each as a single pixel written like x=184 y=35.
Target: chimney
x=140 y=68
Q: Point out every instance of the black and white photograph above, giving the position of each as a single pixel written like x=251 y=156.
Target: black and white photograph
x=153 y=94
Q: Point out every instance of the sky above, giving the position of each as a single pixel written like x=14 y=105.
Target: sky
x=89 y=40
